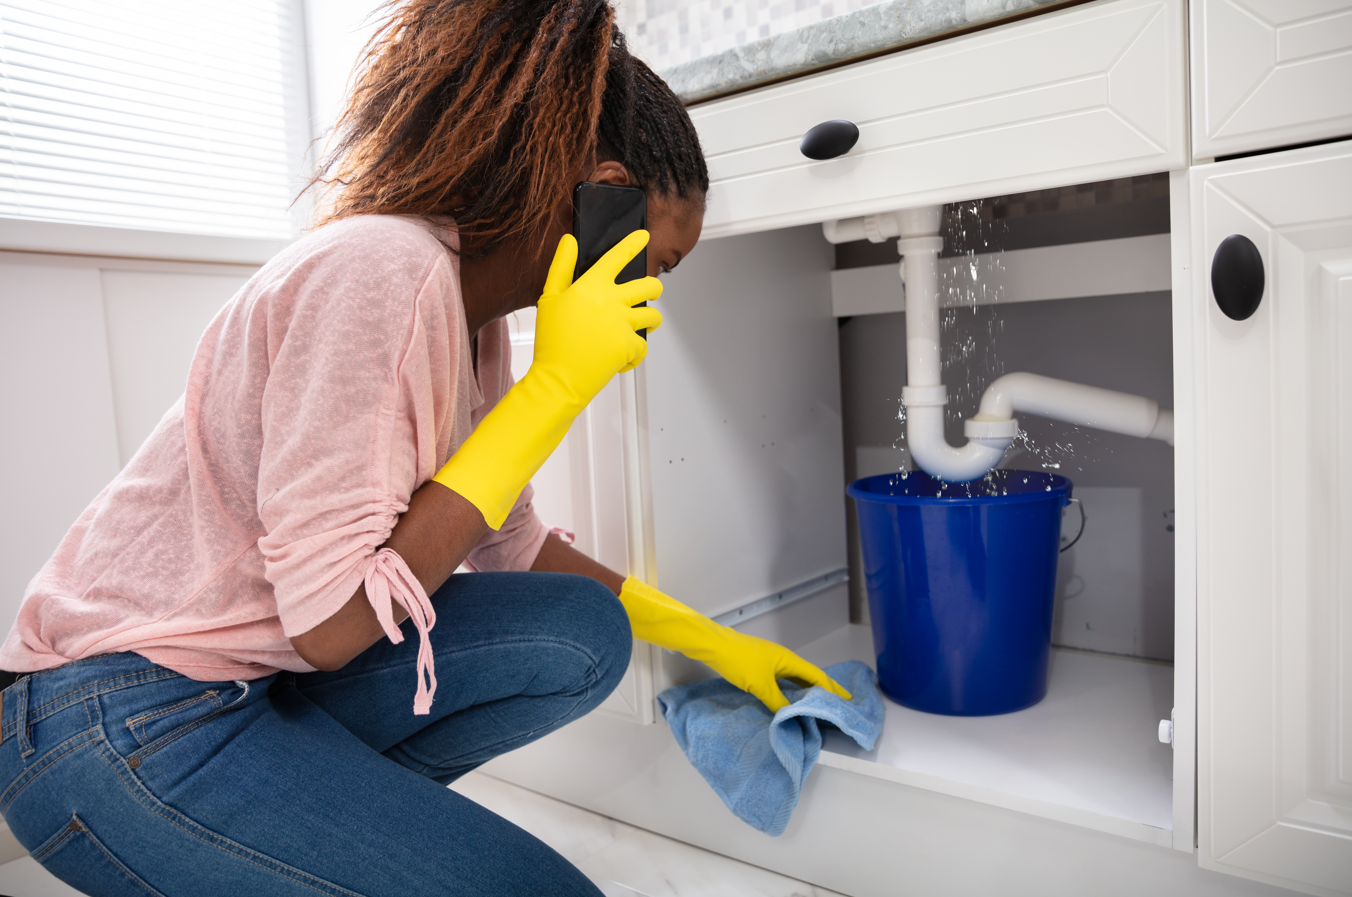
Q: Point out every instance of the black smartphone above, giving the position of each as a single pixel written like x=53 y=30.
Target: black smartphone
x=603 y=215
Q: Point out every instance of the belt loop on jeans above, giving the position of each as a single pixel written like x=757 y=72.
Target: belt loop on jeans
x=20 y=697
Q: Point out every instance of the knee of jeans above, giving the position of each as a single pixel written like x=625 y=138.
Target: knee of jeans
x=607 y=631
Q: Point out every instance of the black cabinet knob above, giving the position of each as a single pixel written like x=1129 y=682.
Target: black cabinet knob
x=1237 y=277
x=829 y=139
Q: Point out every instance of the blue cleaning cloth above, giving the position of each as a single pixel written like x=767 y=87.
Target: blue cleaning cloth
x=756 y=761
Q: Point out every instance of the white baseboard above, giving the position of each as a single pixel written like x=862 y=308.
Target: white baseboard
x=10 y=848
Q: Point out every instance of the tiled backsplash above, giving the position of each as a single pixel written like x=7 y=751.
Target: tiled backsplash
x=707 y=48
x=667 y=32
x=1079 y=196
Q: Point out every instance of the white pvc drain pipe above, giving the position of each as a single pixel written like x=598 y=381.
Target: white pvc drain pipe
x=994 y=427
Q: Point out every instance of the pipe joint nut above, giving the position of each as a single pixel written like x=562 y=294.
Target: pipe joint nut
x=991 y=429
x=878 y=228
x=920 y=396
x=913 y=245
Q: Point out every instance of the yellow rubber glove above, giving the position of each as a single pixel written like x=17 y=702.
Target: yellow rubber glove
x=585 y=333
x=752 y=664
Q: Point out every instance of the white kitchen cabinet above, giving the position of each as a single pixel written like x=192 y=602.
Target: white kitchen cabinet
x=1274 y=499
x=1084 y=94
x=716 y=472
x=747 y=476
x=1059 y=799
x=1269 y=73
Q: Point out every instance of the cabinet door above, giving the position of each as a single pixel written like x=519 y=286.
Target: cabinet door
x=1274 y=497
x=592 y=487
x=1084 y=94
x=1269 y=73
x=743 y=396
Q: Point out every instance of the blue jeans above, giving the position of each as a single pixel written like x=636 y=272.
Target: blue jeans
x=124 y=778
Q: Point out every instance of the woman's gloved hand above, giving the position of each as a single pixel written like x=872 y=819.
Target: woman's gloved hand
x=585 y=333
x=752 y=664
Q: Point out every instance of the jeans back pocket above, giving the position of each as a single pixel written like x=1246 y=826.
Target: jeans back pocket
x=151 y=725
x=81 y=860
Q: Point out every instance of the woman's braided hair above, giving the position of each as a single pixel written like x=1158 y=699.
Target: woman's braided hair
x=485 y=110
x=644 y=126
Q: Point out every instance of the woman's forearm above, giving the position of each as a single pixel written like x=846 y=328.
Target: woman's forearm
x=434 y=536
x=558 y=557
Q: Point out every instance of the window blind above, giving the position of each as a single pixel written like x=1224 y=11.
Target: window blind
x=158 y=115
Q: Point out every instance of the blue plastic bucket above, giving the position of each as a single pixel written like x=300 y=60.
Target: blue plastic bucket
x=961 y=578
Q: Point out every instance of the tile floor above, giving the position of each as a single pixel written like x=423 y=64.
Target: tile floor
x=623 y=861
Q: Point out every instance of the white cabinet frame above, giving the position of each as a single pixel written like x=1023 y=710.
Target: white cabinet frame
x=1274 y=555
x=1185 y=518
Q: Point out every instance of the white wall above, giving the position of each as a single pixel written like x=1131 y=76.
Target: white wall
x=336 y=31
x=60 y=445
x=92 y=353
x=153 y=321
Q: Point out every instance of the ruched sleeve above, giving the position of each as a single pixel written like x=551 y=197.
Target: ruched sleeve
x=388 y=580
x=362 y=380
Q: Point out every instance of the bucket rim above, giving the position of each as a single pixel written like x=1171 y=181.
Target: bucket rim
x=1061 y=488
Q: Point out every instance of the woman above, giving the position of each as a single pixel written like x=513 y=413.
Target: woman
x=217 y=698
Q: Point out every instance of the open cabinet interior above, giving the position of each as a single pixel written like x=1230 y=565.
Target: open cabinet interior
x=775 y=381
x=765 y=397
x=1092 y=744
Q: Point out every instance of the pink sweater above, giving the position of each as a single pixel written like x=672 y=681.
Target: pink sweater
x=334 y=384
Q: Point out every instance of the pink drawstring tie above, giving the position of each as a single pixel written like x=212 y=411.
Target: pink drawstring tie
x=389 y=578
